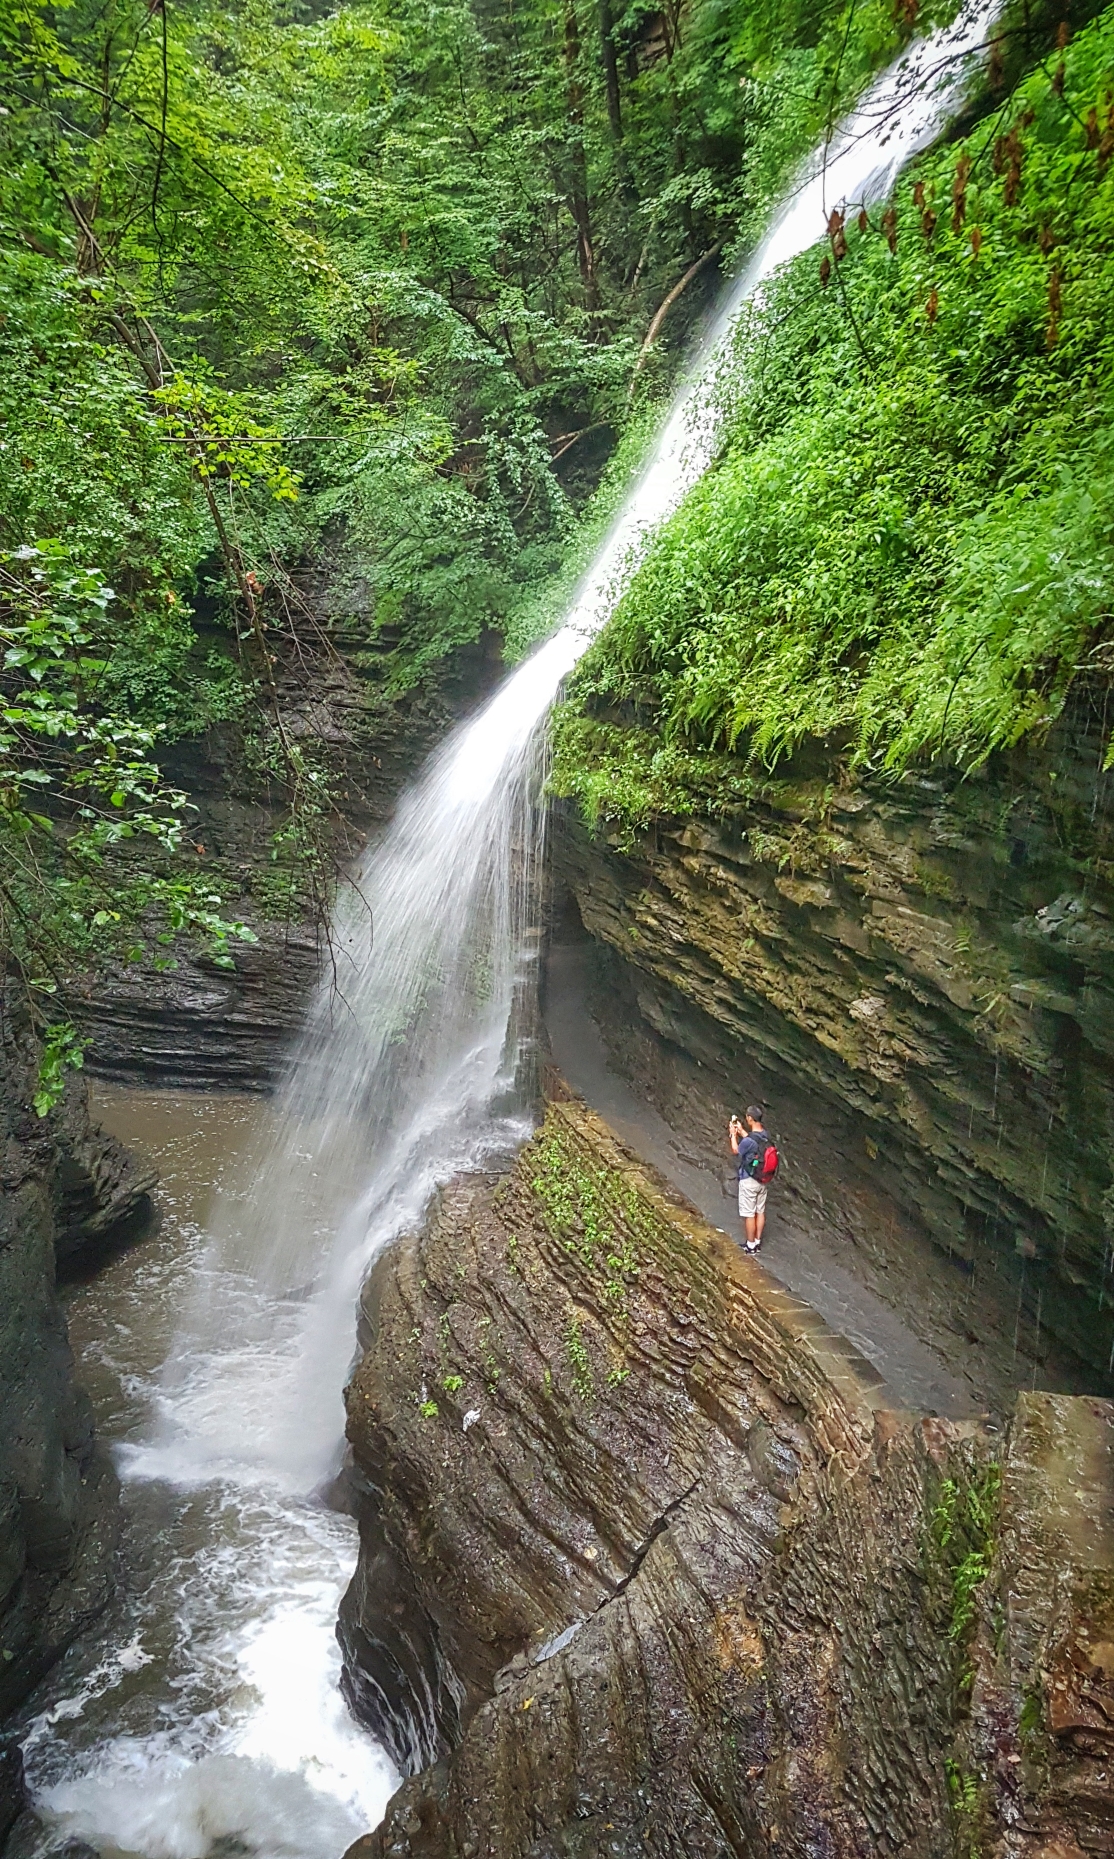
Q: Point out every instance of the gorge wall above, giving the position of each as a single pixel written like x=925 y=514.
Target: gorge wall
x=650 y=1566
x=65 y=1189
x=926 y=964
x=209 y=1027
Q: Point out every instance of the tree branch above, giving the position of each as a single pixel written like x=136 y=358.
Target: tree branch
x=667 y=304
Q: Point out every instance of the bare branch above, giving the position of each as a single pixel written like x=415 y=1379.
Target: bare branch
x=667 y=303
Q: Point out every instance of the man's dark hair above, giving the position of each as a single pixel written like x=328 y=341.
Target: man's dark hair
x=755 y=1111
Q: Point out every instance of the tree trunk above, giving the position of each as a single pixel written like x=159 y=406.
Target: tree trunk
x=611 y=69
x=578 y=190
x=663 y=311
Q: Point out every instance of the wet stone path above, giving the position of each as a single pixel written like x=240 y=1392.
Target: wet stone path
x=793 y=1255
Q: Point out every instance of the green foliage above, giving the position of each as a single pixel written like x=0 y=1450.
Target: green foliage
x=578 y=1360
x=1031 y=1715
x=963 y=1788
x=593 y=1211
x=346 y=298
x=63 y=1051
x=906 y=548
x=361 y=284
x=964 y=1524
x=423 y=242
x=966 y=1795
x=631 y=774
x=80 y=794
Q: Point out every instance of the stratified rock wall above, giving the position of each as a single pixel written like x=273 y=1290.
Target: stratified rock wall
x=63 y=1185
x=1033 y=1774
x=201 y=1026
x=207 y=1027
x=934 y=960
x=650 y=1568
x=662 y=1570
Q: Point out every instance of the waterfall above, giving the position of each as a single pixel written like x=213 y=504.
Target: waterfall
x=410 y=1045
x=405 y=1073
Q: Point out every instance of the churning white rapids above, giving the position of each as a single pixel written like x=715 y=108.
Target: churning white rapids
x=216 y=1724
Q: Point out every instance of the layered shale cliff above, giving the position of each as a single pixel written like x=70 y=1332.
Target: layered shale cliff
x=66 y=1188
x=927 y=965
x=206 y=1026
x=650 y=1567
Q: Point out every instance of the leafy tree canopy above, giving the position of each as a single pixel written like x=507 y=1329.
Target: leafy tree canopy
x=354 y=296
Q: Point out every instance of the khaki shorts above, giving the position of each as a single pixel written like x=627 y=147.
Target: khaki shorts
x=752 y=1197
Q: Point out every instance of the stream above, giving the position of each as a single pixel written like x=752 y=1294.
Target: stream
x=204 y=1705
x=202 y=1715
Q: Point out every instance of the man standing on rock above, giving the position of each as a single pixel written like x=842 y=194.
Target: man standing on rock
x=758 y=1160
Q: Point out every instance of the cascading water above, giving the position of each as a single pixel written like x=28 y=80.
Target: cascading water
x=406 y=1072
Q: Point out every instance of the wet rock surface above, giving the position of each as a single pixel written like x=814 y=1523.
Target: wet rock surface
x=650 y=1563
x=933 y=962
x=949 y=1335
x=66 y=1189
x=201 y=1026
x=1034 y=1768
x=102 y=1195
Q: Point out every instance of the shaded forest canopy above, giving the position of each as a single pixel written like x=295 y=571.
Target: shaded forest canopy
x=325 y=324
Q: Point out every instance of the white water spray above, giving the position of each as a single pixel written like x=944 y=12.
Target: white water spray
x=407 y=1072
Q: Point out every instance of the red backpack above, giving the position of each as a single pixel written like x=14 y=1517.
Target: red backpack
x=763 y=1165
